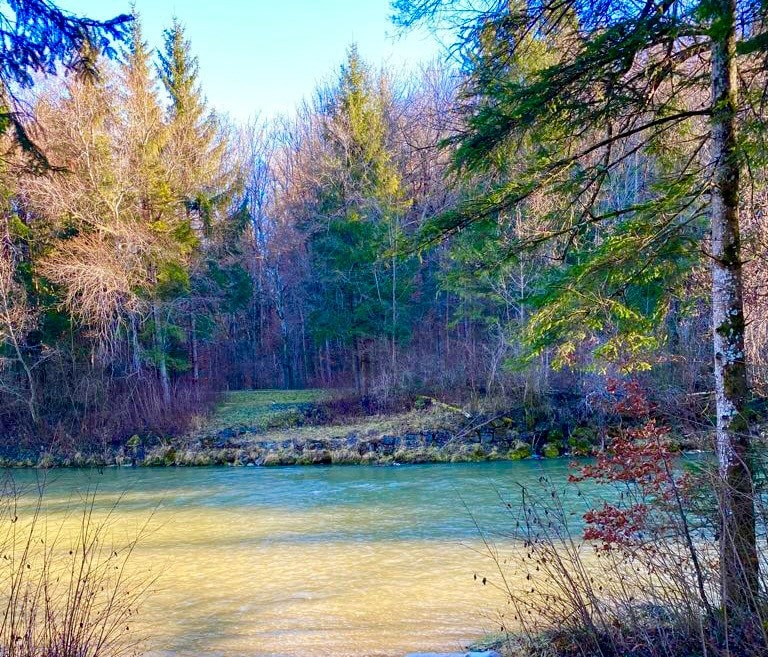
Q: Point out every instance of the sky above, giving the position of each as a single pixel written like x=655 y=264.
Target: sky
x=262 y=57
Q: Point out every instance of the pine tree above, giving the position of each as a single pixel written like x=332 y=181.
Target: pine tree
x=170 y=233
x=39 y=37
x=194 y=149
x=205 y=189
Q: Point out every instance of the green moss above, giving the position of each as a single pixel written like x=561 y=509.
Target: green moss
x=521 y=450
x=581 y=440
x=170 y=456
x=550 y=451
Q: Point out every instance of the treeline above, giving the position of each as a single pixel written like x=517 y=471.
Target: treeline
x=160 y=255
x=122 y=243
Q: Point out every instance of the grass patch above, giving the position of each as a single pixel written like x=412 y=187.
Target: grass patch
x=262 y=409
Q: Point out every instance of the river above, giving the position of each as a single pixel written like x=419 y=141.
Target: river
x=316 y=560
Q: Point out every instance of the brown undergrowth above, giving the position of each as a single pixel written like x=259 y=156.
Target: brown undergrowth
x=635 y=575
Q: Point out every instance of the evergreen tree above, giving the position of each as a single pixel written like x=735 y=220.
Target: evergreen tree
x=356 y=290
x=156 y=207
x=206 y=191
x=194 y=149
x=660 y=78
x=38 y=37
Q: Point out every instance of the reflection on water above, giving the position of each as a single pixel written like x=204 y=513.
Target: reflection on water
x=313 y=561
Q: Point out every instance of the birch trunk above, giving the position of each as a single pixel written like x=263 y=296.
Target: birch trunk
x=738 y=554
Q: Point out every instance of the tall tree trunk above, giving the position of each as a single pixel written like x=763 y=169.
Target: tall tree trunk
x=194 y=346
x=738 y=553
x=285 y=357
x=358 y=365
x=328 y=361
x=135 y=346
x=162 y=364
x=365 y=366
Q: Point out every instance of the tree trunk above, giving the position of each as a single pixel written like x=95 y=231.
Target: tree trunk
x=738 y=553
x=162 y=365
x=135 y=346
x=194 y=346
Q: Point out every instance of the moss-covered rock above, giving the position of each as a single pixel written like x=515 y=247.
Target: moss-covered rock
x=550 y=451
x=582 y=440
x=520 y=450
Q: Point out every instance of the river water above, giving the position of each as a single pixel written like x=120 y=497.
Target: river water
x=316 y=560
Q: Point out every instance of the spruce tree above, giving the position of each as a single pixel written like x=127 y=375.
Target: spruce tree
x=155 y=206
x=357 y=290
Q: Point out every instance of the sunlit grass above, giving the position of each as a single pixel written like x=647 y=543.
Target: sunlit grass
x=260 y=409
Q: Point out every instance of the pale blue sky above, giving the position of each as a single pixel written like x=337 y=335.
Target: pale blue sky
x=264 y=56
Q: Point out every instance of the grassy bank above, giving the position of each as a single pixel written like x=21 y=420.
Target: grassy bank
x=304 y=427
x=278 y=427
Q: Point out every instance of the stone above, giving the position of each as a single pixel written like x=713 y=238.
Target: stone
x=442 y=438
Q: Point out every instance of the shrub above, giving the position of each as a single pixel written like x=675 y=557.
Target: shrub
x=555 y=435
x=582 y=440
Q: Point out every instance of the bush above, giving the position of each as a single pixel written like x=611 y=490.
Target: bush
x=582 y=440
x=555 y=435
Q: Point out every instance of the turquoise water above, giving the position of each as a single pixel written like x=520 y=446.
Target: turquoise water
x=317 y=560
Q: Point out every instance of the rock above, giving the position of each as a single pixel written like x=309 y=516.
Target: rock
x=352 y=439
x=320 y=457
x=442 y=438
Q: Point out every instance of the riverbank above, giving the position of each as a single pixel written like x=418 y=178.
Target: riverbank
x=314 y=427
x=266 y=428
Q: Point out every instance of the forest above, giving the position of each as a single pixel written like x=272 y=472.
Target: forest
x=557 y=227
x=155 y=254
